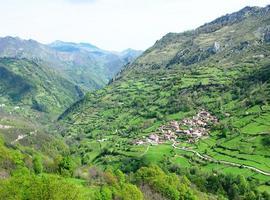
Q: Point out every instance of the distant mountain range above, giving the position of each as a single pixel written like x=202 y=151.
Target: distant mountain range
x=49 y=78
x=83 y=64
x=188 y=119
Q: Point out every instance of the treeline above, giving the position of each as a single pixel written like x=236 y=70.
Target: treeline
x=99 y=185
x=24 y=178
x=225 y=186
x=27 y=177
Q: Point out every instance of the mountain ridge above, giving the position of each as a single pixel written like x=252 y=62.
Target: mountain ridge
x=188 y=119
x=34 y=88
x=222 y=71
x=84 y=64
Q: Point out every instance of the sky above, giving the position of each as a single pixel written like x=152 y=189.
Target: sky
x=110 y=24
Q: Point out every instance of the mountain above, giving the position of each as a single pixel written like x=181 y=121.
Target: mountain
x=60 y=73
x=196 y=103
x=188 y=119
x=37 y=83
x=129 y=55
x=31 y=96
x=71 y=47
x=83 y=64
x=30 y=89
x=109 y=62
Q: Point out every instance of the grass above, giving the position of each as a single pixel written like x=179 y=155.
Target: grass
x=45 y=95
x=156 y=154
x=162 y=86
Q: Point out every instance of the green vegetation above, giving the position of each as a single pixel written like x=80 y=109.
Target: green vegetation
x=91 y=152
x=21 y=180
x=225 y=71
x=169 y=185
x=230 y=186
x=83 y=64
x=32 y=90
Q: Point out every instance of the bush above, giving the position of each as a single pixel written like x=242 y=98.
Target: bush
x=37 y=164
x=169 y=185
x=66 y=166
x=266 y=141
x=30 y=187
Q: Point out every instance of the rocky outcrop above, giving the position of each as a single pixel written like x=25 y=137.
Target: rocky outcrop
x=230 y=19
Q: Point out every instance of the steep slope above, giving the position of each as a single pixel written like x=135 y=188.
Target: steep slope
x=30 y=89
x=129 y=55
x=84 y=64
x=222 y=67
x=91 y=61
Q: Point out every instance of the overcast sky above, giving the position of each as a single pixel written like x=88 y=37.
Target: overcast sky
x=110 y=24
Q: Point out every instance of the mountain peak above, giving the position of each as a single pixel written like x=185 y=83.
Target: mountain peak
x=232 y=18
x=130 y=51
x=72 y=46
x=10 y=39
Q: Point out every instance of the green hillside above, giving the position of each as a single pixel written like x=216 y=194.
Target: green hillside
x=221 y=67
x=83 y=64
x=189 y=119
x=32 y=90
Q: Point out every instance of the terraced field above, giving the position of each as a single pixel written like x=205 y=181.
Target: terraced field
x=180 y=75
x=135 y=108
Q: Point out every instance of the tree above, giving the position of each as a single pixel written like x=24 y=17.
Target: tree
x=242 y=184
x=169 y=185
x=106 y=193
x=250 y=196
x=44 y=187
x=234 y=193
x=37 y=164
x=120 y=176
x=66 y=166
x=266 y=141
x=130 y=191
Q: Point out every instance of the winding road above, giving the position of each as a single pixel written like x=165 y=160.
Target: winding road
x=221 y=161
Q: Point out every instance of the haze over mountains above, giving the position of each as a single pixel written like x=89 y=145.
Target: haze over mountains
x=186 y=119
x=49 y=78
x=86 y=65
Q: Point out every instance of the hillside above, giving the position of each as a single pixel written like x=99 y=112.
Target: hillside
x=83 y=64
x=90 y=64
x=145 y=115
x=33 y=90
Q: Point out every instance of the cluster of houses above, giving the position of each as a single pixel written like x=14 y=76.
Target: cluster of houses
x=190 y=128
x=5 y=126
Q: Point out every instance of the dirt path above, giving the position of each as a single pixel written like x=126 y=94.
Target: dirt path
x=208 y=158
x=20 y=137
x=146 y=150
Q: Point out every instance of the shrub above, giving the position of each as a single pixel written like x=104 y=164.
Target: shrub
x=37 y=164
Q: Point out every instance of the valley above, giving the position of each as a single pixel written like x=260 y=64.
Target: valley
x=189 y=118
x=157 y=89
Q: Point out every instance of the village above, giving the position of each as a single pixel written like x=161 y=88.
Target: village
x=188 y=129
x=5 y=126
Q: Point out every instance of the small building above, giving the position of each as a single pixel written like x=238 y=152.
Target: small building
x=139 y=142
x=154 y=138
